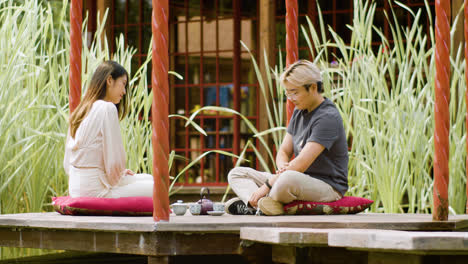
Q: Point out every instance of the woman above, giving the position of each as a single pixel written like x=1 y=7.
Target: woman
x=316 y=137
x=94 y=154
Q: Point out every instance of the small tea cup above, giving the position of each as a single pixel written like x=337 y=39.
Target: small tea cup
x=218 y=207
x=195 y=208
x=179 y=208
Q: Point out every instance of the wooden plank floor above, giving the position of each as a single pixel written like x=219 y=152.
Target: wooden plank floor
x=185 y=235
x=230 y=223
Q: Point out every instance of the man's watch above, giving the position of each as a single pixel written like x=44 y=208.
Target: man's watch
x=268 y=184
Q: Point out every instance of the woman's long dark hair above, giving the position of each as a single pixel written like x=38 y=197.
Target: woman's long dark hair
x=97 y=90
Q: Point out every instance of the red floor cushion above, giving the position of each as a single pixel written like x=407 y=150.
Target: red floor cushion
x=124 y=206
x=346 y=205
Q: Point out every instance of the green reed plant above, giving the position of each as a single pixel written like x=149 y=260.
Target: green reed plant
x=385 y=97
x=33 y=107
x=33 y=101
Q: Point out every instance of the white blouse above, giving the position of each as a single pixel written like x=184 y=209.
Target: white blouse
x=97 y=145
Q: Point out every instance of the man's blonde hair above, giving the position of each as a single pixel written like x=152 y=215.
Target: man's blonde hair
x=302 y=73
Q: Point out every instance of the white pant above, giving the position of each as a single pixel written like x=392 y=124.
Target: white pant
x=88 y=183
x=136 y=185
x=290 y=186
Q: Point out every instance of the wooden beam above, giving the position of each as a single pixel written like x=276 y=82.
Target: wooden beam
x=236 y=74
x=101 y=7
x=393 y=258
x=283 y=254
x=399 y=241
x=229 y=223
x=286 y=236
x=333 y=255
x=158 y=260
x=292 y=38
x=458 y=38
x=172 y=79
x=329 y=255
x=144 y=243
x=110 y=242
x=256 y=252
x=267 y=47
x=89 y=9
x=78 y=257
x=422 y=243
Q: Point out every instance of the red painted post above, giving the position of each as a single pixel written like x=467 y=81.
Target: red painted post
x=160 y=109
x=76 y=21
x=466 y=95
x=292 y=53
x=236 y=6
x=442 y=115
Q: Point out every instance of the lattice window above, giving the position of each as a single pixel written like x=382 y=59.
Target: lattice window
x=202 y=50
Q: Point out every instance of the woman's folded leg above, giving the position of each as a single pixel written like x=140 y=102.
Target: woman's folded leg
x=136 y=185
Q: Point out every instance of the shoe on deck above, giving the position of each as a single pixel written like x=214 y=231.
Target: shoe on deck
x=236 y=206
x=268 y=206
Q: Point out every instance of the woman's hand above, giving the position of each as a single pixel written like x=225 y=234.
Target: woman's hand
x=129 y=172
x=260 y=193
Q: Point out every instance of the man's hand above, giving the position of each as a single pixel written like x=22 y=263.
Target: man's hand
x=282 y=167
x=260 y=193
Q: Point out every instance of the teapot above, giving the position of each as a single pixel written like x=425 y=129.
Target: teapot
x=206 y=204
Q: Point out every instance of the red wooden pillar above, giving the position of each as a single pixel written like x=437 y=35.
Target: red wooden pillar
x=292 y=53
x=160 y=109
x=442 y=115
x=466 y=95
x=76 y=21
x=236 y=6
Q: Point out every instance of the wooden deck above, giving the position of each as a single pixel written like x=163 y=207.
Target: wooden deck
x=206 y=235
x=230 y=223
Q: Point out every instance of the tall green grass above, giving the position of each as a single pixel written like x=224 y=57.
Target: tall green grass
x=33 y=104
x=386 y=101
x=33 y=107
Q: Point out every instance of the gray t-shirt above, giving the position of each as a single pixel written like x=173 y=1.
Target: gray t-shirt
x=324 y=126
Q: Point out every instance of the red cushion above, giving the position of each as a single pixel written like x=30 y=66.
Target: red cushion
x=346 y=205
x=124 y=206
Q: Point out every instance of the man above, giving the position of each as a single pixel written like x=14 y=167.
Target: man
x=315 y=135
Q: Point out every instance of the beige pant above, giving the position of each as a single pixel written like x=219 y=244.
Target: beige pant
x=290 y=186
